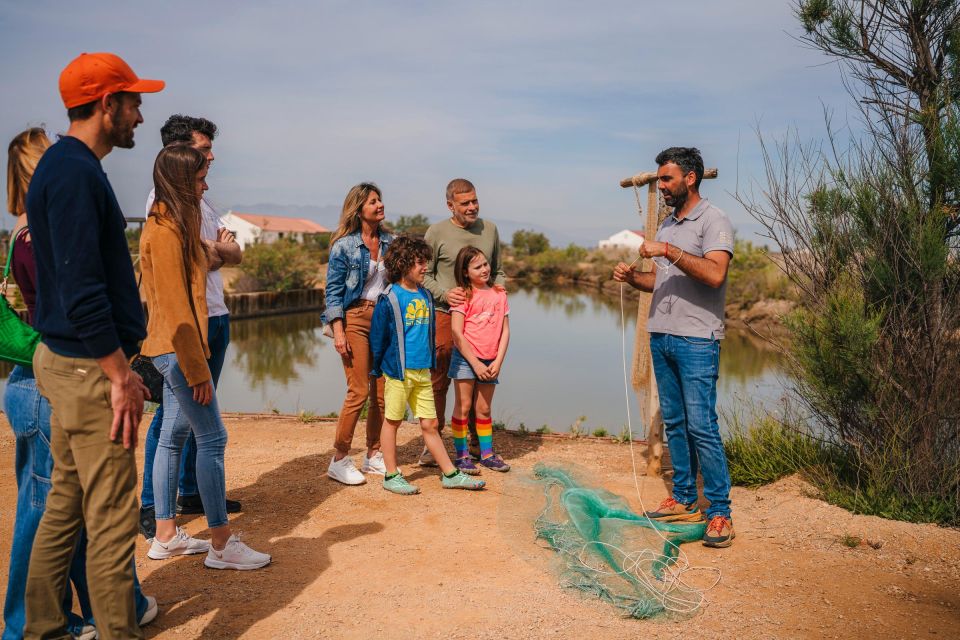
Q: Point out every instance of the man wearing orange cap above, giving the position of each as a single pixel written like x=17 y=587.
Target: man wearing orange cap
x=91 y=319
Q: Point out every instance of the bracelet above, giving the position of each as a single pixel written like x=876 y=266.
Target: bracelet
x=666 y=250
x=678 y=257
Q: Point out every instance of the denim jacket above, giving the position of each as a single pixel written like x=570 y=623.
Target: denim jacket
x=347 y=272
x=386 y=335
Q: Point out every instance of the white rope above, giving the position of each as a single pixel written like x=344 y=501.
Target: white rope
x=682 y=565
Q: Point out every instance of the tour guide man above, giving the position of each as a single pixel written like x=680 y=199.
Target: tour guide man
x=692 y=252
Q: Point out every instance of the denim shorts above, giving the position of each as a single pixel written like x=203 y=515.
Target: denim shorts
x=460 y=369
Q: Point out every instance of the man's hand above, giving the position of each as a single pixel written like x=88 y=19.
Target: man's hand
x=127 y=392
x=225 y=235
x=653 y=249
x=456 y=296
x=126 y=397
x=203 y=393
x=214 y=260
x=623 y=272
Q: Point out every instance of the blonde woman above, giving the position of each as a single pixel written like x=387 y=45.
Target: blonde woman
x=355 y=279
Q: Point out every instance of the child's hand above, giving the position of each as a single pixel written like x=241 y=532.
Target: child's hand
x=493 y=370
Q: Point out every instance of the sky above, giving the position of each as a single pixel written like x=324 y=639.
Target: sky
x=545 y=106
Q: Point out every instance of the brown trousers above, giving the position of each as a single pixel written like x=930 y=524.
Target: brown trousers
x=94 y=484
x=360 y=386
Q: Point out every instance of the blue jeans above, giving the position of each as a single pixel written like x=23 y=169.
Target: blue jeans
x=183 y=415
x=687 y=370
x=218 y=338
x=29 y=416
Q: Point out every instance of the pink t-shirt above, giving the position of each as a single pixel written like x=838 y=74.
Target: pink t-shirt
x=483 y=320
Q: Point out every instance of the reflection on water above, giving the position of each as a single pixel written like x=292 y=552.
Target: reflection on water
x=274 y=350
x=565 y=361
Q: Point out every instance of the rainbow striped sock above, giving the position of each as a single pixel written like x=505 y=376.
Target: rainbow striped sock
x=485 y=436
x=460 y=432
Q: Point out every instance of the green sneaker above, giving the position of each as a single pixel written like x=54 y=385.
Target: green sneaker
x=399 y=485
x=460 y=480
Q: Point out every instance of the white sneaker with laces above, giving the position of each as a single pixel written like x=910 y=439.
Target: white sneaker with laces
x=374 y=464
x=345 y=471
x=151 y=613
x=179 y=545
x=236 y=555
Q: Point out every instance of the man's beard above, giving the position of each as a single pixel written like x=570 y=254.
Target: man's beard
x=122 y=135
x=678 y=199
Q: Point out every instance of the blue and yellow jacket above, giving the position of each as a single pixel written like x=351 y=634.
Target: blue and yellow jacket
x=386 y=335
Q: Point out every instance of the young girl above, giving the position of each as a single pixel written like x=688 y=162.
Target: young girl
x=481 y=333
x=403 y=350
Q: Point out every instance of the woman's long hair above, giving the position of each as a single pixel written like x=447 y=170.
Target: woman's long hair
x=352 y=205
x=175 y=185
x=22 y=157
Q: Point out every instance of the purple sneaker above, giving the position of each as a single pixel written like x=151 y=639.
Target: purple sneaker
x=495 y=463
x=466 y=466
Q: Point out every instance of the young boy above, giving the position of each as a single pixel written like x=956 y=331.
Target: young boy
x=402 y=344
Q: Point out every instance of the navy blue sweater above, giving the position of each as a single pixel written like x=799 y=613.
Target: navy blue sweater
x=88 y=305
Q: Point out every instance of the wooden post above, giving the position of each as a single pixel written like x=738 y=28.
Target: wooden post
x=643 y=380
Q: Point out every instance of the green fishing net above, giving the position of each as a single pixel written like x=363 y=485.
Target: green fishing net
x=604 y=549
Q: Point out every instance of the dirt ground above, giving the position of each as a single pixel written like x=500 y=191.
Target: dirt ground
x=353 y=562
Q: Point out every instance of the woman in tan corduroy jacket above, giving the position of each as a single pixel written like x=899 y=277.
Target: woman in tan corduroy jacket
x=173 y=259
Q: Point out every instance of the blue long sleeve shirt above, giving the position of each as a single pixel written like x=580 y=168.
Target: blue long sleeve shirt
x=88 y=305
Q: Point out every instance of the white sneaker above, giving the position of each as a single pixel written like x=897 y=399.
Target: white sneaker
x=426 y=459
x=236 y=555
x=87 y=632
x=345 y=471
x=151 y=613
x=179 y=545
x=374 y=464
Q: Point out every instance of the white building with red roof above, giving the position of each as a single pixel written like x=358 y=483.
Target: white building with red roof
x=626 y=239
x=251 y=228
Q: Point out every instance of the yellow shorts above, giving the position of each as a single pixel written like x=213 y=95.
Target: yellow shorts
x=416 y=389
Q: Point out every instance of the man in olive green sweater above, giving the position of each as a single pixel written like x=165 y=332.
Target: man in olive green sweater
x=446 y=238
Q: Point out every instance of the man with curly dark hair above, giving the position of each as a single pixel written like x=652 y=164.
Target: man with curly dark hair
x=222 y=249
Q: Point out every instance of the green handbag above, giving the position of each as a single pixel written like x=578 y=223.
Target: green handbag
x=18 y=340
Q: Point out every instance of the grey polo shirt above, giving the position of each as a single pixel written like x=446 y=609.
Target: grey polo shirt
x=682 y=306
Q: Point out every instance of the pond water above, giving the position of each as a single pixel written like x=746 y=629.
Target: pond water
x=564 y=362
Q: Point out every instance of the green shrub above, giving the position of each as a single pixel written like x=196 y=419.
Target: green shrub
x=280 y=266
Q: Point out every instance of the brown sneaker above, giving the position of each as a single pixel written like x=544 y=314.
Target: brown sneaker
x=672 y=511
x=719 y=532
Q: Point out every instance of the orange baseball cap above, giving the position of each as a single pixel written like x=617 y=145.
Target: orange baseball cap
x=90 y=76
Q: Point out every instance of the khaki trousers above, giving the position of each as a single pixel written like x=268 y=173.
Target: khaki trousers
x=360 y=386
x=94 y=484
